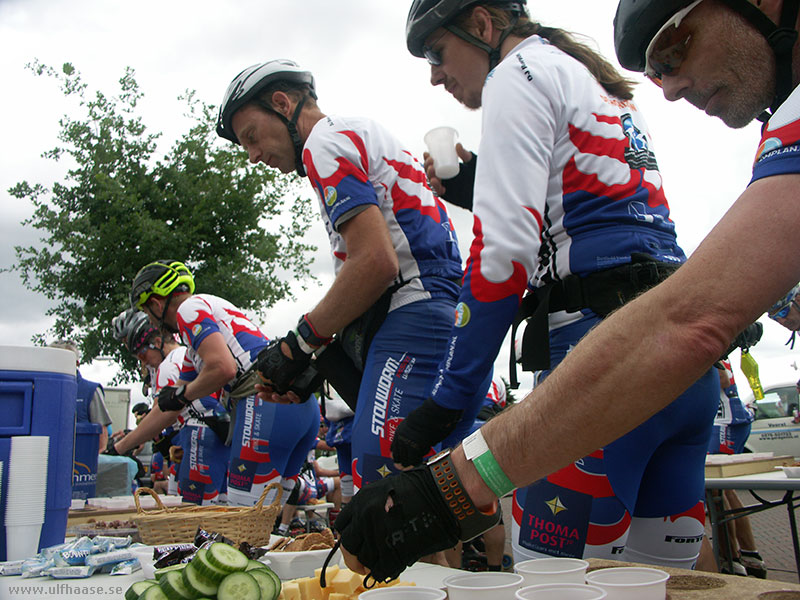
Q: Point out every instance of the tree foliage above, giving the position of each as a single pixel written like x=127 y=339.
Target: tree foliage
x=121 y=206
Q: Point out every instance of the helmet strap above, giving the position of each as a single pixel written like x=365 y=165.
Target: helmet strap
x=291 y=125
x=162 y=323
x=781 y=39
x=494 y=53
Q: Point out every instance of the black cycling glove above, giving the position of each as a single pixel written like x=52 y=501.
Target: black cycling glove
x=278 y=370
x=172 y=398
x=458 y=190
x=417 y=523
x=426 y=425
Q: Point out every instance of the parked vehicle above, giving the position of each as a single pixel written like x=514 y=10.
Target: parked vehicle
x=776 y=427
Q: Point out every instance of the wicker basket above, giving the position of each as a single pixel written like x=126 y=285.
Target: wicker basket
x=251 y=524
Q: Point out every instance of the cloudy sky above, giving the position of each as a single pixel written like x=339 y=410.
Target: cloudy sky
x=356 y=49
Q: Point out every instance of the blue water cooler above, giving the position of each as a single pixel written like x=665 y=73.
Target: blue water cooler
x=38 y=391
x=84 y=466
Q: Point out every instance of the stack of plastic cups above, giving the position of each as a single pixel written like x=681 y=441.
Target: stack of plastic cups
x=26 y=492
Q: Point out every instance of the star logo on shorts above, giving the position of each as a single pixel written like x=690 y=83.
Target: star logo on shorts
x=241 y=468
x=384 y=471
x=555 y=505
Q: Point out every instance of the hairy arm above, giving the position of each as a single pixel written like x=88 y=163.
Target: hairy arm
x=643 y=356
x=149 y=427
x=219 y=367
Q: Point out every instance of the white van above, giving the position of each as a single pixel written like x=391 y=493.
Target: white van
x=776 y=427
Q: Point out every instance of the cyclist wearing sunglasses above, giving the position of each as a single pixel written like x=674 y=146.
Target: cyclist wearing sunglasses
x=569 y=206
x=268 y=442
x=201 y=476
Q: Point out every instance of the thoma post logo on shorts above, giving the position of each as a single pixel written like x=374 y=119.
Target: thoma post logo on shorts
x=330 y=195
x=463 y=314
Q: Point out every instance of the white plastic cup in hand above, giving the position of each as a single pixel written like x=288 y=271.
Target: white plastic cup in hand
x=404 y=592
x=22 y=541
x=441 y=143
x=552 y=570
x=561 y=591
x=630 y=583
x=479 y=586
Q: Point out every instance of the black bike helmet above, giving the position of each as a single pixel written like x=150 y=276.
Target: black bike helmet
x=426 y=16
x=247 y=86
x=140 y=334
x=638 y=21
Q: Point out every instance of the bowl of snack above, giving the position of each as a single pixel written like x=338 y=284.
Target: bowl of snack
x=793 y=472
x=297 y=557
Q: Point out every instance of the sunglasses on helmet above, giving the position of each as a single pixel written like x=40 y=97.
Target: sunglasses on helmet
x=668 y=48
x=783 y=311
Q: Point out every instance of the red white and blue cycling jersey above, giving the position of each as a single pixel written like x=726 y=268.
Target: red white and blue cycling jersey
x=566 y=183
x=204 y=314
x=354 y=163
x=779 y=151
x=269 y=441
x=169 y=372
x=732 y=409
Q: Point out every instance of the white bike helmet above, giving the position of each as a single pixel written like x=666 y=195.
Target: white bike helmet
x=247 y=86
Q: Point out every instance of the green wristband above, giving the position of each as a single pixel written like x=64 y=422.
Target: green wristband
x=477 y=450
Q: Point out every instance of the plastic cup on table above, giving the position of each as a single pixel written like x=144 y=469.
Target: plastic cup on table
x=441 y=143
x=630 y=583
x=22 y=541
x=478 y=586
x=561 y=591
x=404 y=592
x=552 y=570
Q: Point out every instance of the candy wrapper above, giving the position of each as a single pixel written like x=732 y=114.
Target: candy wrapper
x=204 y=538
x=35 y=567
x=166 y=556
x=252 y=552
x=11 y=567
x=108 y=558
x=125 y=567
x=69 y=572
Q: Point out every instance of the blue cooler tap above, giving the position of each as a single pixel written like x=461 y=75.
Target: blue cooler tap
x=38 y=391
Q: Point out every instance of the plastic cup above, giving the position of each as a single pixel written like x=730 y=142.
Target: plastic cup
x=479 y=586
x=552 y=570
x=441 y=143
x=403 y=592
x=630 y=583
x=22 y=541
x=561 y=591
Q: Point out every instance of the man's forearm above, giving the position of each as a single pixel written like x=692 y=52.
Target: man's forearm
x=645 y=355
x=149 y=427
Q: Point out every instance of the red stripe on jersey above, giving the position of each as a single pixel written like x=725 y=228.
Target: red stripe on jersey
x=481 y=288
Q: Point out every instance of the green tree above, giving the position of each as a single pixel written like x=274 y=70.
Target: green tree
x=119 y=207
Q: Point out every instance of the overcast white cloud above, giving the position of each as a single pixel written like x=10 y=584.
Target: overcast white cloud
x=356 y=49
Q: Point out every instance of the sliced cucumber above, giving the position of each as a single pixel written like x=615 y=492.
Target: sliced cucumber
x=239 y=586
x=274 y=576
x=153 y=592
x=173 y=587
x=163 y=571
x=254 y=564
x=226 y=558
x=204 y=568
x=197 y=584
x=269 y=591
x=137 y=588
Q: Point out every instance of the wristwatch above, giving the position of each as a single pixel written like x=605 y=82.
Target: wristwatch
x=471 y=521
x=309 y=335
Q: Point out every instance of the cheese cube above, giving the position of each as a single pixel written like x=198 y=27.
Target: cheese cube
x=290 y=591
x=309 y=588
x=346 y=581
x=330 y=573
x=338 y=596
